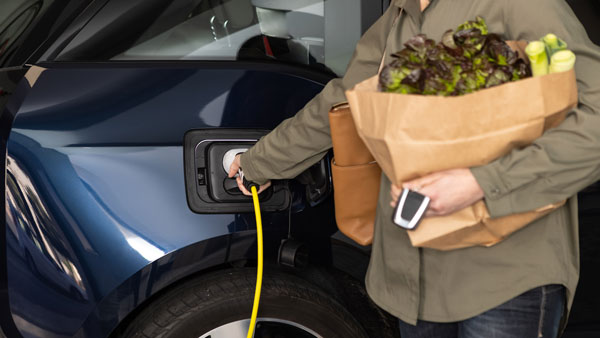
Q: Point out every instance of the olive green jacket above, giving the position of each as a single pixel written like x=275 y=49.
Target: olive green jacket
x=443 y=286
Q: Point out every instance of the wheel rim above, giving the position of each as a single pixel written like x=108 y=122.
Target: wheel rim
x=265 y=327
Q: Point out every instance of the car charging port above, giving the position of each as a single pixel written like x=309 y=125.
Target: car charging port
x=208 y=154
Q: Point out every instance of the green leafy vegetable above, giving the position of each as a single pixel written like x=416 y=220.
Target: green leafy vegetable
x=464 y=61
x=479 y=24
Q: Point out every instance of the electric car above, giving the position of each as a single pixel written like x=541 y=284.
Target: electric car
x=118 y=217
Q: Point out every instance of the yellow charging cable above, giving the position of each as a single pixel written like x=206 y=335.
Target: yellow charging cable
x=259 y=267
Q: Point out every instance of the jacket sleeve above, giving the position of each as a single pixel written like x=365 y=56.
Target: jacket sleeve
x=565 y=159
x=300 y=141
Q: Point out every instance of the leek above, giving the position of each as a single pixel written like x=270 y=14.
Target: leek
x=536 y=52
x=562 y=61
x=553 y=44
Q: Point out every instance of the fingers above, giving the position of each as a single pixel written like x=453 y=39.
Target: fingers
x=234 y=169
x=242 y=187
x=450 y=191
x=235 y=166
x=248 y=193
x=434 y=209
x=395 y=193
x=420 y=182
x=415 y=185
x=437 y=208
x=264 y=187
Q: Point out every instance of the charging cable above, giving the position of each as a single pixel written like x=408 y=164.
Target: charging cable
x=228 y=158
x=259 y=268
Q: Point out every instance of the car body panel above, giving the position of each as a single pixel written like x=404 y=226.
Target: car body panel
x=95 y=159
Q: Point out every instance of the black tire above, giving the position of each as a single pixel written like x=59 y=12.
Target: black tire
x=194 y=308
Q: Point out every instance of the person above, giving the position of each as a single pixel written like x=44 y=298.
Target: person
x=520 y=287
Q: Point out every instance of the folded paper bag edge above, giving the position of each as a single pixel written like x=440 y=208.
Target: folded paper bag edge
x=481 y=223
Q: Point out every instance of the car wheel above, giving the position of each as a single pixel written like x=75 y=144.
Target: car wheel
x=219 y=305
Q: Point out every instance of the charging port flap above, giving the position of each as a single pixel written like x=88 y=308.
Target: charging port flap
x=208 y=188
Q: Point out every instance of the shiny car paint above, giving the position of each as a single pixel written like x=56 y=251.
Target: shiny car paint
x=95 y=187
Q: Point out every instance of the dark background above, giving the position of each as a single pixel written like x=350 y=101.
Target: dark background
x=588 y=12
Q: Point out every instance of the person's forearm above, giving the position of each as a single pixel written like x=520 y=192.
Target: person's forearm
x=302 y=140
x=296 y=143
x=565 y=159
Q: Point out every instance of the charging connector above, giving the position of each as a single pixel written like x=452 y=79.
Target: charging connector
x=249 y=184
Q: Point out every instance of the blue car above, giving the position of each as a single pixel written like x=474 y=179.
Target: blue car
x=119 y=219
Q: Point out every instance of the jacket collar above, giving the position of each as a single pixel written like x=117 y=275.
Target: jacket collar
x=412 y=7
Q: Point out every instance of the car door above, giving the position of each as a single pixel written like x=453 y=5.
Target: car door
x=26 y=28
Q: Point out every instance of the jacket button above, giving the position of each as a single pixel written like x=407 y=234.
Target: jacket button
x=495 y=191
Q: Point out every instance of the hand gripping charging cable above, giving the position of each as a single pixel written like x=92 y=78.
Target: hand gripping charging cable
x=227 y=160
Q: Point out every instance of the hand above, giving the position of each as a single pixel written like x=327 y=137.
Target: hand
x=233 y=170
x=449 y=191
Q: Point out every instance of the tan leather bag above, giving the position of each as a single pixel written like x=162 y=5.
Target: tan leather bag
x=355 y=173
x=356 y=178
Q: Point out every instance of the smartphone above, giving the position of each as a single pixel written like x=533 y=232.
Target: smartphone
x=410 y=209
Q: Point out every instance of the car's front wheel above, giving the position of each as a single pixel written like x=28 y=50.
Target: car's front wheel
x=219 y=305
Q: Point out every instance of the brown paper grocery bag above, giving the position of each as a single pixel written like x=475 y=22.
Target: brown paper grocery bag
x=472 y=226
x=438 y=133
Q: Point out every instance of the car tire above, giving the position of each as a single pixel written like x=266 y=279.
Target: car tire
x=207 y=306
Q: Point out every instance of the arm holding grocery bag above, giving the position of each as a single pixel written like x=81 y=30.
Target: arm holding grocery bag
x=557 y=165
x=449 y=191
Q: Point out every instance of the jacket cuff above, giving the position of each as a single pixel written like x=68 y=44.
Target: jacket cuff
x=496 y=192
x=250 y=171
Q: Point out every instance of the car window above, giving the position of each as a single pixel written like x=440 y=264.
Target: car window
x=15 y=17
x=317 y=33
